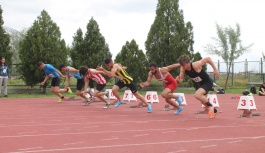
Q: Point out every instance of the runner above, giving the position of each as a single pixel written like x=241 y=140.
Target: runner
x=170 y=84
x=125 y=80
x=95 y=75
x=72 y=72
x=55 y=74
x=196 y=73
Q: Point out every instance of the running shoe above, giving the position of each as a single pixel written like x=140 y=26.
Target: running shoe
x=149 y=108
x=178 y=110
x=179 y=100
x=87 y=103
x=61 y=99
x=107 y=106
x=211 y=114
x=118 y=104
x=68 y=89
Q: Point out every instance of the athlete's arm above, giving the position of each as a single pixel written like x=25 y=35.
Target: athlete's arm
x=209 y=61
x=170 y=67
x=86 y=83
x=147 y=83
x=181 y=75
x=60 y=73
x=73 y=70
x=45 y=79
x=94 y=71
x=111 y=73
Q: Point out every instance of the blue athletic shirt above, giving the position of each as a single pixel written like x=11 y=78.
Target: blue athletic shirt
x=75 y=74
x=50 y=71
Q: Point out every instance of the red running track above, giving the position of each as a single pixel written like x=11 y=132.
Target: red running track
x=43 y=125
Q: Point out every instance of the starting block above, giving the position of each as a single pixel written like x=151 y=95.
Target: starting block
x=110 y=95
x=152 y=97
x=128 y=95
x=212 y=98
x=183 y=99
x=247 y=104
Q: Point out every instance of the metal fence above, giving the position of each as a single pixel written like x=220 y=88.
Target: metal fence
x=242 y=72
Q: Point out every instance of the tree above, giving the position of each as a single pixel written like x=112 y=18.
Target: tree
x=169 y=36
x=228 y=46
x=4 y=41
x=42 y=42
x=135 y=61
x=90 y=50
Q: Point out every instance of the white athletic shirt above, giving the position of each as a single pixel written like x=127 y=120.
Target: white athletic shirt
x=162 y=78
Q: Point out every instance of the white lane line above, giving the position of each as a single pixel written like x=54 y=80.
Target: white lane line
x=177 y=151
x=235 y=141
x=136 y=144
x=30 y=148
x=27 y=132
x=168 y=132
x=73 y=143
x=208 y=146
x=80 y=119
x=141 y=135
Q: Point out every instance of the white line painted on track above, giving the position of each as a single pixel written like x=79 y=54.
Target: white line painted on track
x=27 y=132
x=235 y=141
x=80 y=119
x=117 y=124
x=137 y=144
x=73 y=143
x=208 y=146
x=110 y=139
x=30 y=148
x=177 y=151
x=168 y=132
x=55 y=120
x=141 y=135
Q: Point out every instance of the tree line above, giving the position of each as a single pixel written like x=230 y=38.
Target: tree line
x=168 y=38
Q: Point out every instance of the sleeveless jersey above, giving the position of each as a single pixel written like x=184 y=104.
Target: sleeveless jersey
x=98 y=78
x=162 y=78
x=75 y=74
x=125 y=77
x=200 y=77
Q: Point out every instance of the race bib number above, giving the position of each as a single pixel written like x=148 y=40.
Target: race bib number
x=4 y=71
x=197 y=79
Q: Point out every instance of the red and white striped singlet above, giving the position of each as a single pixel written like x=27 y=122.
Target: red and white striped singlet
x=98 y=78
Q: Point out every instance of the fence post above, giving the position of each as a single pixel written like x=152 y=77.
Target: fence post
x=261 y=69
x=246 y=68
x=232 y=73
x=218 y=66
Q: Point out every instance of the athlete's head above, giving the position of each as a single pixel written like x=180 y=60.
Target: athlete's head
x=83 y=70
x=153 y=68
x=62 y=68
x=184 y=61
x=109 y=63
x=41 y=65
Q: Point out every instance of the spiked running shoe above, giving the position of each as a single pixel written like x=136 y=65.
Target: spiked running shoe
x=211 y=114
x=87 y=103
x=149 y=108
x=179 y=100
x=61 y=99
x=68 y=89
x=107 y=106
x=178 y=110
x=118 y=104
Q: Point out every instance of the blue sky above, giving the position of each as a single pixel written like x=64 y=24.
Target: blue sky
x=124 y=20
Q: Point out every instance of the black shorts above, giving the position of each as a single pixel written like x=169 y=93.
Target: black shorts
x=131 y=86
x=207 y=86
x=80 y=84
x=55 y=82
x=100 y=87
